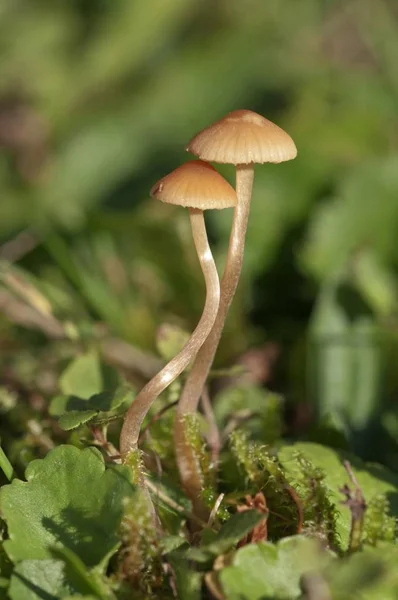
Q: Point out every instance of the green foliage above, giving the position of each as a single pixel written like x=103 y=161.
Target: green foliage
x=96 y=104
x=259 y=408
x=373 y=479
x=97 y=409
x=232 y=532
x=140 y=554
x=265 y=473
x=319 y=511
x=271 y=571
x=68 y=498
x=35 y=579
x=83 y=400
x=369 y=575
x=379 y=525
x=192 y=427
x=170 y=340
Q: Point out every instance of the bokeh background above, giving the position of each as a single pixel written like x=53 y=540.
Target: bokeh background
x=98 y=99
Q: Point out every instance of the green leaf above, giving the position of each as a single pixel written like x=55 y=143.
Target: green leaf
x=69 y=499
x=74 y=411
x=188 y=582
x=234 y=530
x=265 y=406
x=82 y=377
x=57 y=578
x=5 y=465
x=373 y=479
x=370 y=575
x=229 y=535
x=265 y=570
x=76 y=573
x=38 y=579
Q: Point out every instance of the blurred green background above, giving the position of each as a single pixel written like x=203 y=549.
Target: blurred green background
x=98 y=99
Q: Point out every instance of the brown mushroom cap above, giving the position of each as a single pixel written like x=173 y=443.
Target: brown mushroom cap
x=195 y=184
x=243 y=137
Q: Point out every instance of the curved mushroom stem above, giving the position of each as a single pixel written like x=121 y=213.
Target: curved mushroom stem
x=190 y=473
x=143 y=402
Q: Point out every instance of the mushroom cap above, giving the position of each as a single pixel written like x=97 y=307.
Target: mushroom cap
x=195 y=184
x=243 y=137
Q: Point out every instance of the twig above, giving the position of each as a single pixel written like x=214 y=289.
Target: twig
x=102 y=440
x=215 y=508
x=14 y=249
x=357 y=505
x=174 y=505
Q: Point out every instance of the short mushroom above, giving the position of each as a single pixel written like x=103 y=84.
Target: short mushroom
x=198 y=186
x=241 y=138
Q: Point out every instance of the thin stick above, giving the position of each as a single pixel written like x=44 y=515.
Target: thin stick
x=174 y=505
x=142 y=403
x=357 y=505
x=5 y=465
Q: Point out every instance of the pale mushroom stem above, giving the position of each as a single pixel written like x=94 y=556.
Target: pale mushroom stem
x=143 y=401
x=190 y=473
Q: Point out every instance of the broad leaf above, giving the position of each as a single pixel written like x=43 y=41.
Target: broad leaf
x=82 y=377
x=55 y=579
x=38 y=579
x=265 y=570
x=69 y=499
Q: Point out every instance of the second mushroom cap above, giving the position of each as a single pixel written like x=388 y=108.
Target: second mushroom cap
x=195 y=184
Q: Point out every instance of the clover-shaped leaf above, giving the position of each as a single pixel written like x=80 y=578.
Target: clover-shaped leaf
x=70 y=499
x=266 y=570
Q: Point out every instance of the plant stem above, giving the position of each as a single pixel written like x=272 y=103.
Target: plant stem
x=190 y=474
x=5 y=465
x=142 y=403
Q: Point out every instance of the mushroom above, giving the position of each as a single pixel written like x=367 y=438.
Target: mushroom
x=241 y=138
x=198 y=186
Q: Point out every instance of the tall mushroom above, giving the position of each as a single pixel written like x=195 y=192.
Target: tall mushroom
x=242 y=138
x=197 y=186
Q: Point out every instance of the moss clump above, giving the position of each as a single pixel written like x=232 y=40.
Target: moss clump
x=264 y=472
